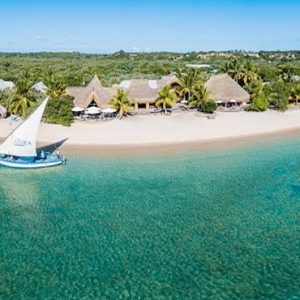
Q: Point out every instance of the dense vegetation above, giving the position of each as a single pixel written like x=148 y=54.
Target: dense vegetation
x=268 y=76
x=78 y=69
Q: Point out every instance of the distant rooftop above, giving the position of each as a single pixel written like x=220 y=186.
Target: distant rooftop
x=223 y=88
x=40 y=87
x=6 y=84
x=198 y=66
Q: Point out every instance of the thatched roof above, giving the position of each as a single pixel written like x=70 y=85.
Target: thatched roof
x=104 y=95
x=168 y=80
x=94 y=91
x=74 y=91
x=223 y=87
x=146 y=91
x=84 y=98
x=95 y=82
x=139 y=90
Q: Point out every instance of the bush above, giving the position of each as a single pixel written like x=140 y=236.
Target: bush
x=208 y=107
x=280 y=95
x=260 y=103
x=268 y=73
x=59 y=111
x=281 y=103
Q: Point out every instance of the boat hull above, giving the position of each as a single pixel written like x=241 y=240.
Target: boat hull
x=34 y=165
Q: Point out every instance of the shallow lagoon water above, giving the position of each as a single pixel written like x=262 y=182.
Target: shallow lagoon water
x=221 y=224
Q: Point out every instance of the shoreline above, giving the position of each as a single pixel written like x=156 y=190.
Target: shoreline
x=156 y=134
x=259 y=139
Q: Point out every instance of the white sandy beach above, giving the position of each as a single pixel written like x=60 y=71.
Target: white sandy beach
x=178 y=128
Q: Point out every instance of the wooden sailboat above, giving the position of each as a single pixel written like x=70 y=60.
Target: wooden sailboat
x=19 y=149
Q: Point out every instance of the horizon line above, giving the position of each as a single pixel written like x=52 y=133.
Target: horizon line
x=145 y=52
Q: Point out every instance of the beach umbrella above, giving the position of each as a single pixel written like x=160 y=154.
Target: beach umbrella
x=77 y=109
x=109 y=110
x=93 y=110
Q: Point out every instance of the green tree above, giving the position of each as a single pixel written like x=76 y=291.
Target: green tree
x=268 y=73
x=259 y=96
x=242 y=72
x=295 y=92
x=121 y=103
x=5 y=96
x=59 y=108
x=279 y=94
x=208 y=107
x=234 y=69
x=22 y=99
x=187 y=82
x=201 y=96
x=166 y=98
x=202 y=101
x=285 y=74
x=56 y=88
x=59 y=111
x=249 y=72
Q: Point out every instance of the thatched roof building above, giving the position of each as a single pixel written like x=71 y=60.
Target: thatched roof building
x=93 y=93
x=168 y=80
x=141 y=91
x=223 y=88
x=144 y=91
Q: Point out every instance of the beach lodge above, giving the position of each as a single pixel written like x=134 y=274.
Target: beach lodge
x=142 y=92
x=226 y=92
x=222 y=89
x=95 y=98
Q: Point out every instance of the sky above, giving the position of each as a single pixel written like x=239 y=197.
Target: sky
x=107 y=26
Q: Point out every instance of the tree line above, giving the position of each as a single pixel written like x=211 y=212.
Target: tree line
x=269 y=78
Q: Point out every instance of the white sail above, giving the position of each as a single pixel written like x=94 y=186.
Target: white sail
x=22 y=141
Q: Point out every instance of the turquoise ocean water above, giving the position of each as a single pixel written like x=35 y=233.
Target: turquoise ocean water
x=222 y=224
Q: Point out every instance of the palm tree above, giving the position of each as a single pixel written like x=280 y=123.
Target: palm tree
x=256 y=88
x=121 y=103
x=166 y=98
x=22 y=99
x=241 y=72
x=201 y=96
x=56 y=88
x=249 y=72
x=259 y=92
x=187 y=81
x=233 y=68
